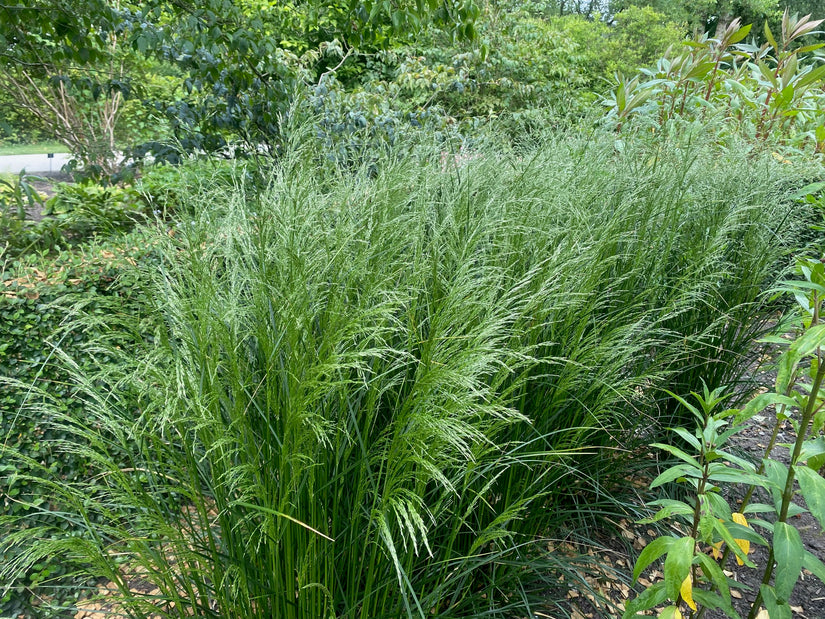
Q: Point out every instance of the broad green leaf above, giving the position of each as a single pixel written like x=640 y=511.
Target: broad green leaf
x=789 y=71
x=813 y=489
x=678 y=453
x=759 y=508
x=788 y=552
x=811 y=448
x=746 y=533
x=650 y=597
x=815 y=463
x=714 y=572
x=689 y=438
x=803 y=346
x=725 y=534
x=677 y=565
x=776 y=609
x=767 y=73
x=721 y=473
x=674 y=473
x=670 y=612
x=769 y=36
x=740 y=462
x=651 y=552
x=812 y=563
x=719 y=505
x=813 y=187
x=676 y=507
x=814 y=75
x=739 y=34
x=713 y=600
x=777 y=473
x=760 y=403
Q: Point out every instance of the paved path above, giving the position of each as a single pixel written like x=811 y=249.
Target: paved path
x=33 y=163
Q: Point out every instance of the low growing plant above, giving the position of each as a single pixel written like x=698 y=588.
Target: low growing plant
x=694 y=580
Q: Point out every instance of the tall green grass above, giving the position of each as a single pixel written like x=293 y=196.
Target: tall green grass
x=378 y=393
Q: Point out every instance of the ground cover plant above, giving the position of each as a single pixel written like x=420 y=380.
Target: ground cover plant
x=377 y=393
x=39 y=295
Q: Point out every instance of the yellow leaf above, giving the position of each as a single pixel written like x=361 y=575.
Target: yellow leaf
x=686 y=590
x=716 y=549
x=744 y=544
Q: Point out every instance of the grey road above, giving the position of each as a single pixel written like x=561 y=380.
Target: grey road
x=33 y=163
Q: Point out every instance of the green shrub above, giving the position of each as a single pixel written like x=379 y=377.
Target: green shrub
x=377 y=393
x=39 y=298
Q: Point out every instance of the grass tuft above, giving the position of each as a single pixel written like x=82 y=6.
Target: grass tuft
x=377 y=393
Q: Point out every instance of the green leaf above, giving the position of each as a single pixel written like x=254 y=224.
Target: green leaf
x=679 y=454
x=669 y=612
x=725 y=534
x=769 y=36
x=677 y=565
x=761 y=402
x=777 y=473
x=740 y=34
x=713 y=600
x=788 y=552
x=776 y=609
x=729 y=474
x=811 y=448
x=689 y=438
x=719 y=505
x=712 y=570
x=675 y=472
x=650 y=597
x=816 y=567
x=675 y=507
x=814 y=75
x=651 y=552
x=813 y=489
x=759 y=508
x=809 y=48
x=747 y=533
x=803 y=346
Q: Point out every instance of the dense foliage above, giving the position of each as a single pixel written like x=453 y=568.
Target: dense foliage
x=391 y=394
x=406 y=292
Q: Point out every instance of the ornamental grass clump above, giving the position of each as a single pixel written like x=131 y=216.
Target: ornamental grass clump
x=376 y=394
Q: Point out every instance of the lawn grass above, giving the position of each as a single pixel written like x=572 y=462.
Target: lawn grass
x=377 y=393
x=32 y=149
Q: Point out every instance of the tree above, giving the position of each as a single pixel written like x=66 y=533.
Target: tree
x=64 y=62
x=243 y=62
x=247 y=59
x=707 y=15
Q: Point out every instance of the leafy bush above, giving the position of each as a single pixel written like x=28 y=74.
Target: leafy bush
x=376 y=393
x=530 y=66
x=770 y=92
x=39 y=297
x=85 y=208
